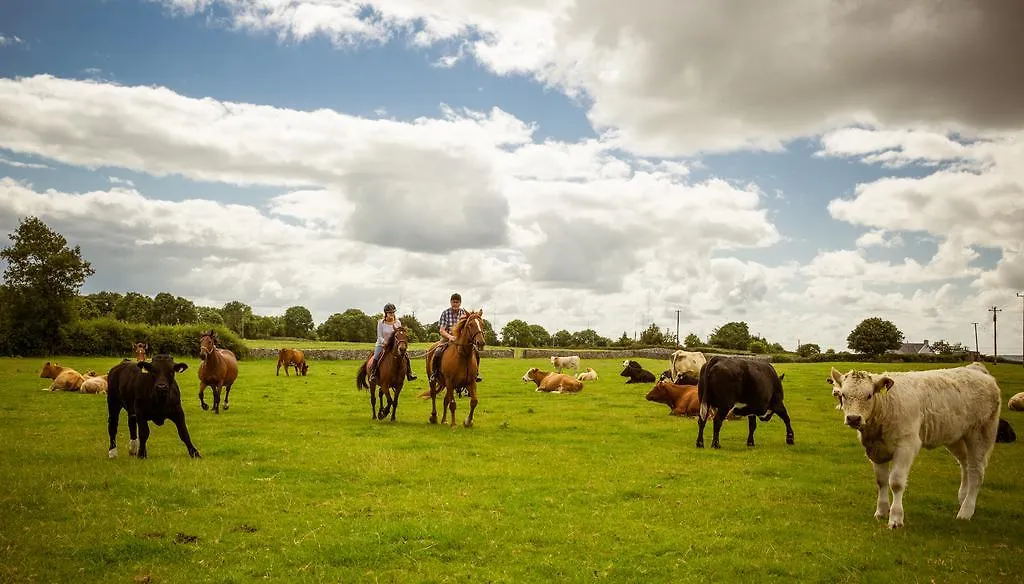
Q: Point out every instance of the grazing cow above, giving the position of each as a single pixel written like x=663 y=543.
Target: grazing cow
x=1016 y=402
x=553 y=382
x=588 y=375
x=218 y=369
x=148 y=391
x=636 y=373
x=682 y=400
x=139 y=350
x=572 y=361
x=740 y=387
x=64 y=378
x=291 y=358
x=94 y=383
x=686 y=362
x=1005 y=432
x=895 y=414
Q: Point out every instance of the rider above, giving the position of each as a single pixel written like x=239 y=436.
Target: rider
x=449 y=317
x=385 y=328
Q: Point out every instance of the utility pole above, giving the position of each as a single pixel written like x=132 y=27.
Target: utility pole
x=678 y=342
x=977 y=352
x=1021 y=296
x=995 y=347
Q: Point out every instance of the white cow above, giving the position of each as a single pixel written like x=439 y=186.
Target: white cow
x=1016 y=402
x=588 y=375
x=571 y=362
x=895 y=414
x=686 y=361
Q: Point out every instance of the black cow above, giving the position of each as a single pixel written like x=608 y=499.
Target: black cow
x=149 y=393
x=685 y=378
x=742 y=387
x=636 y=373
x=1005 y=432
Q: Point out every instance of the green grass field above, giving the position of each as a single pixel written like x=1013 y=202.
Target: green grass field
x=298 y=484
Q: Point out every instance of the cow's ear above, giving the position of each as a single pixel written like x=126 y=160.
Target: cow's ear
x=179 y=367
x=883 y=383
x=145 y=366
x=781 y=377
x=835 y=378
x=146 y=347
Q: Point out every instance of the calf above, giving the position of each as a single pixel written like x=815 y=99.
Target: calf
x=682 y=400
x=740 y=387
x=64 y=378
x=1016 y=402
x=588 y=375
x=94 y=383
x=547 y=381
x=291 y=358
x=686 y=362
x=895 y=414
x=559 y=363
x=148 y=391
x=635 y=373
x=684 y=379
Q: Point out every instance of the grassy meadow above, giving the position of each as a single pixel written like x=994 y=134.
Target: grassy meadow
x=298 y=484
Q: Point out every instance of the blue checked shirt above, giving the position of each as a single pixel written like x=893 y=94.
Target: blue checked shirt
x=449 y=317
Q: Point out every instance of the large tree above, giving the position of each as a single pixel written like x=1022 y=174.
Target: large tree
x=235 y=313
x=516 y=333
x=732 y=335
x=298 y=322
x=40 y=287
x=874 y=336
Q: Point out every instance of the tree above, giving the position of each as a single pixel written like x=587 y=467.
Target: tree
x=104 y=302
x=416 y=332
x=757 y=347
x=624 y=340
x=298 y=322
x=652 y=335
x=163 y=310
x=540 y=336
x=732 y=335
x=692 y=340
x=40 y=288
x=208 y=315
x=874 y=336
x=235 y=314
x=133 y=307
x=589 y=338
x=808 y=350
x=943 y=348
x=490 y=337
x=516 y=333
x=561 y=339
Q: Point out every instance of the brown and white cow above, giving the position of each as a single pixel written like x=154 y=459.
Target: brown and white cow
x=681 y=399
x=291 y=358
x=64 y=378
x=550 y=382
x=94 y=383
x=588 y=375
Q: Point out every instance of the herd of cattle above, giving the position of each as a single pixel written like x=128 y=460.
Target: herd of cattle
x=894 y=414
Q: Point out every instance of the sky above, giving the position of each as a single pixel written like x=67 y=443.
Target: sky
x=799 y=165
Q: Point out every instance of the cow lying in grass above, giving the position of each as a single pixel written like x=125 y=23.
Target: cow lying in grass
x=681 y=399
x=94 y=383
x=635 y=373
x=685 y=378
x=1016 y=402
x=547 y=381
x=895 y=414
x=64 y=378
x=588 y=375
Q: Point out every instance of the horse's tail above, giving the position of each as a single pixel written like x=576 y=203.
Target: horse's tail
x=361 y=377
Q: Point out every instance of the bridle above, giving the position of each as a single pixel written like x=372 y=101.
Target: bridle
x=479 y=333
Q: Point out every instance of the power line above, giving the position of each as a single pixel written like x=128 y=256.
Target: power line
x=995 y=347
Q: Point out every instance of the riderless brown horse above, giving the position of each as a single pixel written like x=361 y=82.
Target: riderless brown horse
x=458 y=366
x=391 y=371
x=218 y=369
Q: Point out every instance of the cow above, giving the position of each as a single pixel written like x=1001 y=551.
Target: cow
x=636 y=373
x=148 y=391
x=684 y=379
x=139 y=351
x=682 y=400
x=740 y=387
x=1005 y=432
x=686 y=362
x=64 y=378
x=1016 y=403
x=588 y=375
x=547 y=381
x=572 y=361
x=94 y=383
x=291 y=358
x=895 y=414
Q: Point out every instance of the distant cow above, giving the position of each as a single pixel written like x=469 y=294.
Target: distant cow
x=682 y=400
x=683 y=379
x=547 y=381
x=635 y=373
x=741 y=387
x=570 y=362
x=1005 y=432
x=686 y=362
x=1016 y=402
x=64 y=378
x=94 y=383
x=588 y=375
x=148 y=391
x=139 y=351
x=291 y=358
x=895 y=414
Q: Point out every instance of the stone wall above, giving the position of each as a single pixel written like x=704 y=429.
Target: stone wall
x=357 y=354
x=502 y=353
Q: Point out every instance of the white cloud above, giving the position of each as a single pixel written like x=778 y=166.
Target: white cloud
x=120 y=181
x=18 y=164
x=10 y=40
x=879 y=238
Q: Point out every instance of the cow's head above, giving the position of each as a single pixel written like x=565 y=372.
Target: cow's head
x=139 y=350
x=163 y=368
x=659 y=393
x=50 y=370
x=858 y=392
x=305 y=368
x=666 y=375
x=532 y=374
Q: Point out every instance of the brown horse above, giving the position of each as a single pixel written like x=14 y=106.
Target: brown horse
x=218 y=369
x=391 y=370
x=139 y=350
x=458 y=366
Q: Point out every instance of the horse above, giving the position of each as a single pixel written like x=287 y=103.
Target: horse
x=218 y=369
x=139 y=350
x=391 y=371
x=458 y=366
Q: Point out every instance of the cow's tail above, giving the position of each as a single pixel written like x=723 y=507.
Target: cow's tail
x=361 y=377
x=702 y=393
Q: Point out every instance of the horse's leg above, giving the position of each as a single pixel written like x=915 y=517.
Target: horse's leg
x=202 y=389
x=448 y=398
x=373 y=401
x=216 y=398
x=452 y=403
x=227 y=392
x=472 y=404
x=394 y=410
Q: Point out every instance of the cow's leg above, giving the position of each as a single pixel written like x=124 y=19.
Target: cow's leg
x=882 y=482
x=202 y=390
x=227 y=393
x=959 y=450
x=143 y=437
x=783 y=413
x=751 y=426
x=179 y=422
x=979 y=446
x=472 y=405
x=216 y=398
x=901 y=461
x=702 y=420
x=717 y=426
x=113 y=413
x=278 y=372
x=133 y=432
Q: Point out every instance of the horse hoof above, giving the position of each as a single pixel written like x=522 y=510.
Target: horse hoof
x=467 y=424
x=112 y=453
x=225 y=407
x=205 y=407
x=433 y=419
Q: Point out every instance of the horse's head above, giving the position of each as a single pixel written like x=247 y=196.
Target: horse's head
x=473 y=329
x=207 y=343
x=400 y=340
x=139 y=350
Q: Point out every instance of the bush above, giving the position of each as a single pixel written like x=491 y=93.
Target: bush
x=757 y=347
x=106 y=336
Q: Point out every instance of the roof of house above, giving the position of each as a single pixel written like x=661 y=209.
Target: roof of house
x=912 y=348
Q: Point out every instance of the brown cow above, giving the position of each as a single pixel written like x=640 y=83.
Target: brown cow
x=553 y=382
x=64 y=378
x=682 y=399
x=218 y=369
x=94 y=383
x=139 y=350
x=291 y=358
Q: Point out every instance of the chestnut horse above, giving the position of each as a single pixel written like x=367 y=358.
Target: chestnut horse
x=391 y=371
x=458 y=366
x=218 y=369
x=139 y=350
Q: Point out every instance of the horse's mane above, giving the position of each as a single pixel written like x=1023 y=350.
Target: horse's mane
x=457 y=329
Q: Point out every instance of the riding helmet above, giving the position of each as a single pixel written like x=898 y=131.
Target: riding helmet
x=389 y=307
